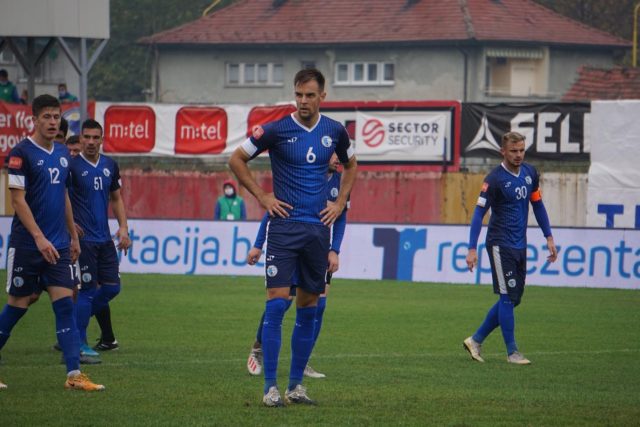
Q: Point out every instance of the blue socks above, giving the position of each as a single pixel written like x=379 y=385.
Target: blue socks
x=272 y=338
x=322 y=304
x=8 y=318
x=83 y=312
x=67 y=332
x=501 y=314
x=302 y=341
x=259 y=333
x=103 y=295
x=507 y=323
x=490 y=323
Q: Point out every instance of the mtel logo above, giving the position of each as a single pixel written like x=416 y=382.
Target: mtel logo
x=201 y=130
x=373 y=133
x=262 y=115
x=129 y=129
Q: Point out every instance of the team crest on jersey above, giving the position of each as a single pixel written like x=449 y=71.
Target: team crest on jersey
x=257 y=131
x=326 y=141
x=334 y=192
x=272 y=270
x=527 y=179
x=18 y=281
x=511 y=283
x=86 y=277
x=106 y=172
x=15 y=162
x=63 y=162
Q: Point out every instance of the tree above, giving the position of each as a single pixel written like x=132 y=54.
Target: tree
x=123 y=71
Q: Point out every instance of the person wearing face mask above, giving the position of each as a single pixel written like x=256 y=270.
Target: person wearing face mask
x=230 y=206
x=65 y=97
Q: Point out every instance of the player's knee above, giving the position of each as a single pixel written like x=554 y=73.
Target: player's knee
x=63 y=307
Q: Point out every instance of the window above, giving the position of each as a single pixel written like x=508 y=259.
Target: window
x=364 y=74
x=305 y=65
x=255 y=74
x=516 y=71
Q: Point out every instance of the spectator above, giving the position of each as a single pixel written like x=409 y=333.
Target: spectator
x=8 y=91
x=230 y=206
x=64 y=96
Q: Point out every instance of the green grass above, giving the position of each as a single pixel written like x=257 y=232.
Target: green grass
x=391 y=351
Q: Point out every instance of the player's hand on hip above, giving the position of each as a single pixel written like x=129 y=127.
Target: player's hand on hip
x=48 y=251
x=472 y=259
x=79 y=230
x=329 y=214
x=253 y=256
x=124 y=241
x=74 y=250
x=553 y=251
x=274 y=206
x=334 y=262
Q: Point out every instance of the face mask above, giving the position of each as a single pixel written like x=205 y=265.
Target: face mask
x=229 y=191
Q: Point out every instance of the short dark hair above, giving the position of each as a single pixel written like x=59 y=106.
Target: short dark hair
x=64 y=126
x=512 y=137
x=308 y=74
x=73 y=139
x=44 y=101
x=3 y=73
x=62 y=85
x=91 y=124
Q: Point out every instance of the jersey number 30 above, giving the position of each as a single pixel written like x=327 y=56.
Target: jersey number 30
x=521 y=192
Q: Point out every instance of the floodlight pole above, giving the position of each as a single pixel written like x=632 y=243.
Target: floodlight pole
x=82 y=67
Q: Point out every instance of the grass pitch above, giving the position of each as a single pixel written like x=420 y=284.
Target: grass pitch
x=392 y=352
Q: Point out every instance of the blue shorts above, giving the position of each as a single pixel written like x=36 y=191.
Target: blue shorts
x=98 y=264
x=292 y=291
x=509 y=271
x=297 y=246
x=28 y=272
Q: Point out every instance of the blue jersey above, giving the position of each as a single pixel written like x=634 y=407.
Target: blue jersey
x=299 y=161
x=91 y=186
x=508 y=197
x=44 y=176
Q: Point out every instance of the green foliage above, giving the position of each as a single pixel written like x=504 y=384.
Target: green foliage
x=123 y=70
x=613 y=16
x=392 y=352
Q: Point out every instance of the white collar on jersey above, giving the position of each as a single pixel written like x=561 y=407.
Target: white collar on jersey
x=517 y=175
x=41 y=147
x=293 y=117
x=95 y=165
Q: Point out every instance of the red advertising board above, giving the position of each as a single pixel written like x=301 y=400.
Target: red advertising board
x=262 y=115
x=129 y=129
x=201 y=130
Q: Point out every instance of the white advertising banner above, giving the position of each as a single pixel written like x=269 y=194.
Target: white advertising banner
x=602 y=258
x=613 y=197
x=413 y=136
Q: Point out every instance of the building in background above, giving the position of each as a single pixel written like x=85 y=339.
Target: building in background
x=469 y=50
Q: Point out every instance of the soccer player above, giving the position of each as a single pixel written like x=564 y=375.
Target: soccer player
x=507 y=190
x=254 y=362
x=44 y=243
x=95 y=182
x=300 y=148
x=73 y=144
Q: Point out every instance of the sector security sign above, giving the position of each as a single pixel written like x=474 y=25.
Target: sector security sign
x=409 y=136
x=553 y=131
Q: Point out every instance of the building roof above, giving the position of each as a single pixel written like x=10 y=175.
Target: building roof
x=598 y=83
x=312 y=22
